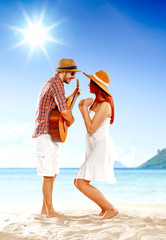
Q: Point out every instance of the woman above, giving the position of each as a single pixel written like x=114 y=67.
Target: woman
x=99 y=160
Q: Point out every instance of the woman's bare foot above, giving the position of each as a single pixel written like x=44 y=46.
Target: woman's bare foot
x=101 y=213
x=110 y=214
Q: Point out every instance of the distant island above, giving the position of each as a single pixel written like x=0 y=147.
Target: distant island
x=158 y=161
x=118 y=165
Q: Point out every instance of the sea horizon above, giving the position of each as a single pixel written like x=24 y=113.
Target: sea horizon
x=134 y=185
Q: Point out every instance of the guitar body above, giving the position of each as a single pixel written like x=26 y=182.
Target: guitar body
x=58 y=127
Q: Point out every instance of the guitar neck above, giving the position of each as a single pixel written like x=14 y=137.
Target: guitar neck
x=73 y=101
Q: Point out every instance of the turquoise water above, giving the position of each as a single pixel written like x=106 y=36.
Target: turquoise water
x=133 y=186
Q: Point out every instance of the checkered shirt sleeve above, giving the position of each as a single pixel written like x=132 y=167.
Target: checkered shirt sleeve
x=58 y=94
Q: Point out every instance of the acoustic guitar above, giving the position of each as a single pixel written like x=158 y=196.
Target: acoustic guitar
x=58 y=127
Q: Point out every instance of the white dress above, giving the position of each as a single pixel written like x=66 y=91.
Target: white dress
x=100 y=153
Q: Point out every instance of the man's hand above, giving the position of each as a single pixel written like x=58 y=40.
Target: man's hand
x=68 y=124
x=68 y=116
x=73 y=94
x=79 y=92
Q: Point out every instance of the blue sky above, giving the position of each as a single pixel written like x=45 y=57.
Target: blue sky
x=125 y=38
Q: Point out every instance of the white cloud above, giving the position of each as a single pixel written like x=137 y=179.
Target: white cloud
x=129 y=158
x=12 y=132
x=133 y=156
x=16 y=148
x=71 y=157
x=126 y=156
x=17 y=156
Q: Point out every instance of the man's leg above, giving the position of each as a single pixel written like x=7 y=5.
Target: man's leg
x=48 y=183
x=47 y=189
x=44 y=208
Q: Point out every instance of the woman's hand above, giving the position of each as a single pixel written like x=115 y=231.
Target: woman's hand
x=88 y=102
x=80 y=105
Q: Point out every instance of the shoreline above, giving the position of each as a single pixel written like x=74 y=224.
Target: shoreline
x=77 y=168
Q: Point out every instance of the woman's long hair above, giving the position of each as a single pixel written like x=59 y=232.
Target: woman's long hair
x=100 y=93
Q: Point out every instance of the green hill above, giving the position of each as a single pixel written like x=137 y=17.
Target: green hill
x=158 y=161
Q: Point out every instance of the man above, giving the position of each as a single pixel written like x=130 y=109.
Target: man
x=51 y=95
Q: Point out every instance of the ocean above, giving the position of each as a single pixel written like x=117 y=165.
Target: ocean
x=142 y=186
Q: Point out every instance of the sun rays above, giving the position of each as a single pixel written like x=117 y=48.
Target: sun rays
x=36 y=34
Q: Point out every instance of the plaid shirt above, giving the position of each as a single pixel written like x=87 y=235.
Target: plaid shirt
x=51 y=95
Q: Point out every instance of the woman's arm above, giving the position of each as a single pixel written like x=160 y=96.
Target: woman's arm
x=80 y=105
x=102 y=112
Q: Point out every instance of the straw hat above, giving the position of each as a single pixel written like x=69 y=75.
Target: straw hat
x=66 y=64
x=102 y=79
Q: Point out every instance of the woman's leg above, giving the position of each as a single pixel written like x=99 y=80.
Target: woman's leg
x=96 y=196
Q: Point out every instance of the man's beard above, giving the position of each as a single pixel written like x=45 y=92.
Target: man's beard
x=65 y=81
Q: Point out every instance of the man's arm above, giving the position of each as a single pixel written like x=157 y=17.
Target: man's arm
x=58 y=93
x=68 y=116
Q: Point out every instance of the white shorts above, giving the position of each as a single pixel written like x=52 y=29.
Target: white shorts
x=47 y=155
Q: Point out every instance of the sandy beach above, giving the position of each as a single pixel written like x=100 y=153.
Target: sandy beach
x=134 y=222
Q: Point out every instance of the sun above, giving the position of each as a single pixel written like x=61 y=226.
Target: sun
x=36 y=34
